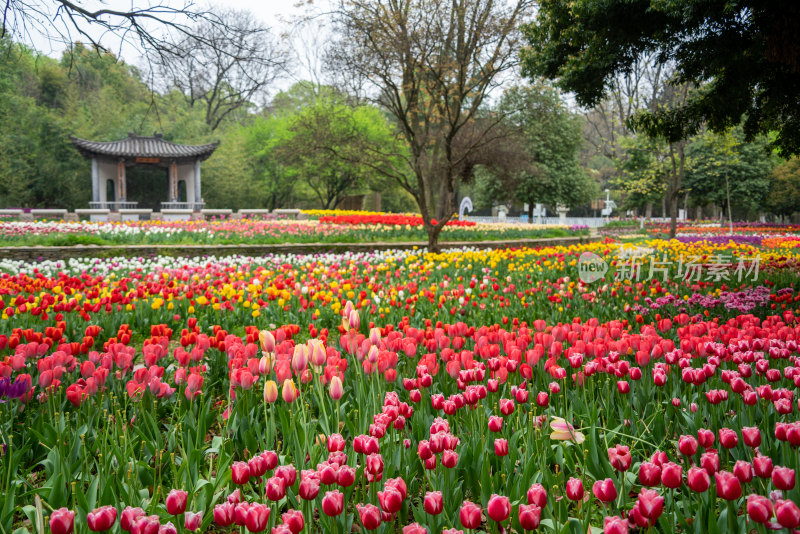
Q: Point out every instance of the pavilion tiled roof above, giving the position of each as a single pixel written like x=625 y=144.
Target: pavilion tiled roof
x=135 y=146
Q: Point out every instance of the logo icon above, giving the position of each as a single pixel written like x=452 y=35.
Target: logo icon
x=591 y=267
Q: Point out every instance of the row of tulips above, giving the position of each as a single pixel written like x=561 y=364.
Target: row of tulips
x=435 y=427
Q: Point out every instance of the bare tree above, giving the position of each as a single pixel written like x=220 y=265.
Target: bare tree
x=223 y=64
x=431 y=64
x=146 y=25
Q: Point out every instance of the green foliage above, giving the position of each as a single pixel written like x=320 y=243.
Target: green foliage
x=642 y=174
x=747 y=165
x=784 y=191
x=552 y=138
x=743 y=54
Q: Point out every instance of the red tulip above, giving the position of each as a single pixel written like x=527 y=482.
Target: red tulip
x=257 y=517
x=783 y=478
x=424 y=450
x=787 y=513
x=759 y=508
x=449 y=459
x=62 y=521
x=370 y=516
x=710 y=462
x=687 y=445
x=530 y=516
x=240 y=473
x=537 y=495
x=257 y=465
x=390 y=500
x=399 y=485
x=671 y=475
x=192 y=521
x=346 y=476
x=470 y=515
x=650 y=505
x=705 y=437
x=276 y=488
x=129 y=517
x=414 y=528
x=623 y=386
x=333 y=503
x=240 y=513
x=102 y=519
x=743 y=470
x=167 y=528
x=620 y=457
x=335 y=442
x=498 y=508
x=294 y=520
x=224 y=514
x=728 y=438
x=542 y=399
x=288 y=473
x=501 y=447
x=574 y=489
x=649 y=474
x=506 y=406
x=615 y=525
x=751 y=436
x=762 y=465
x=309 y=489
x=728 y=486
x=698 y=480
x=176 y=502
x=604 y=490
x=433 y=502
x=495 y=423
x=146 y=525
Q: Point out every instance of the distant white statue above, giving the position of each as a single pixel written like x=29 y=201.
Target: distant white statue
x=466 y=205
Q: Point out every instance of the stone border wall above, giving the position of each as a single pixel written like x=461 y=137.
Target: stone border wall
x=109 y=251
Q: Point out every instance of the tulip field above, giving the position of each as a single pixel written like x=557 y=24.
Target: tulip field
x=513 y=390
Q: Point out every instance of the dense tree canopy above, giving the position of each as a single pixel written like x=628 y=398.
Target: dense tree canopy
x=743 y=56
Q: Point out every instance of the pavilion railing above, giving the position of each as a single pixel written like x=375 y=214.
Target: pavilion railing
x=194 y=206
x=113 y=205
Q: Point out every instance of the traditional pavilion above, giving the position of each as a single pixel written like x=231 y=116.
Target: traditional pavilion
x=110 y=159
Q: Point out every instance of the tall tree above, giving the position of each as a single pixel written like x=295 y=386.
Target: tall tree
x=431 y=64
x=222 y=65
x=744 y=53
x=784 y=192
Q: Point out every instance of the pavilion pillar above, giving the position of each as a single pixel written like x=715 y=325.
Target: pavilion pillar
x=95 y=181
x=173 y=182
x=198 y=198
x=120 y=181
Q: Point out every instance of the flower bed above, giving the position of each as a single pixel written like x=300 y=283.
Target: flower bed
x=469 y=390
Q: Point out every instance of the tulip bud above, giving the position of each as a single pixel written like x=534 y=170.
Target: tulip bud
x=176 y=502
x=698 y=480
x=192 y=521
x=333 y=503
x=470 y=515
x=370 y=516
x=101 y=519
x=335 y=389
x=787 y=513
x=604 y=490
x=530 y=516
x=537 y=495
x=759 y=508
x=575 y=489
x=289 y=391
x=498 y=508
x=267 y=341
x=671 y=475
x=783 y=478
x=270 y=391
x=433 y=502
x=501 y=447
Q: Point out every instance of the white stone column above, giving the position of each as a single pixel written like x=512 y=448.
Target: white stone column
x=173 y=182
x=198 y=198
x=120 y=190
x=95 y=181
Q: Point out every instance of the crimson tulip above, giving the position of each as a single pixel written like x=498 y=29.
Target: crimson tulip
x=762 y=465
x=176 y=502
x=309 y=489
x=390 y=500
x=604 y=490
x=783 y=478
x=495 y=423
x=288 y=473
x=224 y=514
x=469 y=515
x=370 y=516
x=62 y=521
x=614 y=525
x=530 y=515
x=743 y=470
x=240 y=473
x=501 y=447
x=449 y=459
x=294 y=520
x=537 y=495
x=759 y=508
x=698 y=480
x=433 y=502
x=542 y=399
x=498 y=508
x=276 y=488
x=728 y=438
x=687 y=445
x=192 y=521
x=672 y=475
x=620 y=457
x=129 y=517
x=705 y=438
x=333 y=503
x=787 y=513
x=650 y=505
x=575 y=489
x=257 y=517
x=728 y=486
x=101 y=519
x=346 y=476
x=751 y=436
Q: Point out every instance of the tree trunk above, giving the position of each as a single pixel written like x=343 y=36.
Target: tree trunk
x=530 y=212
x=433 y=237
x=648 y=212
